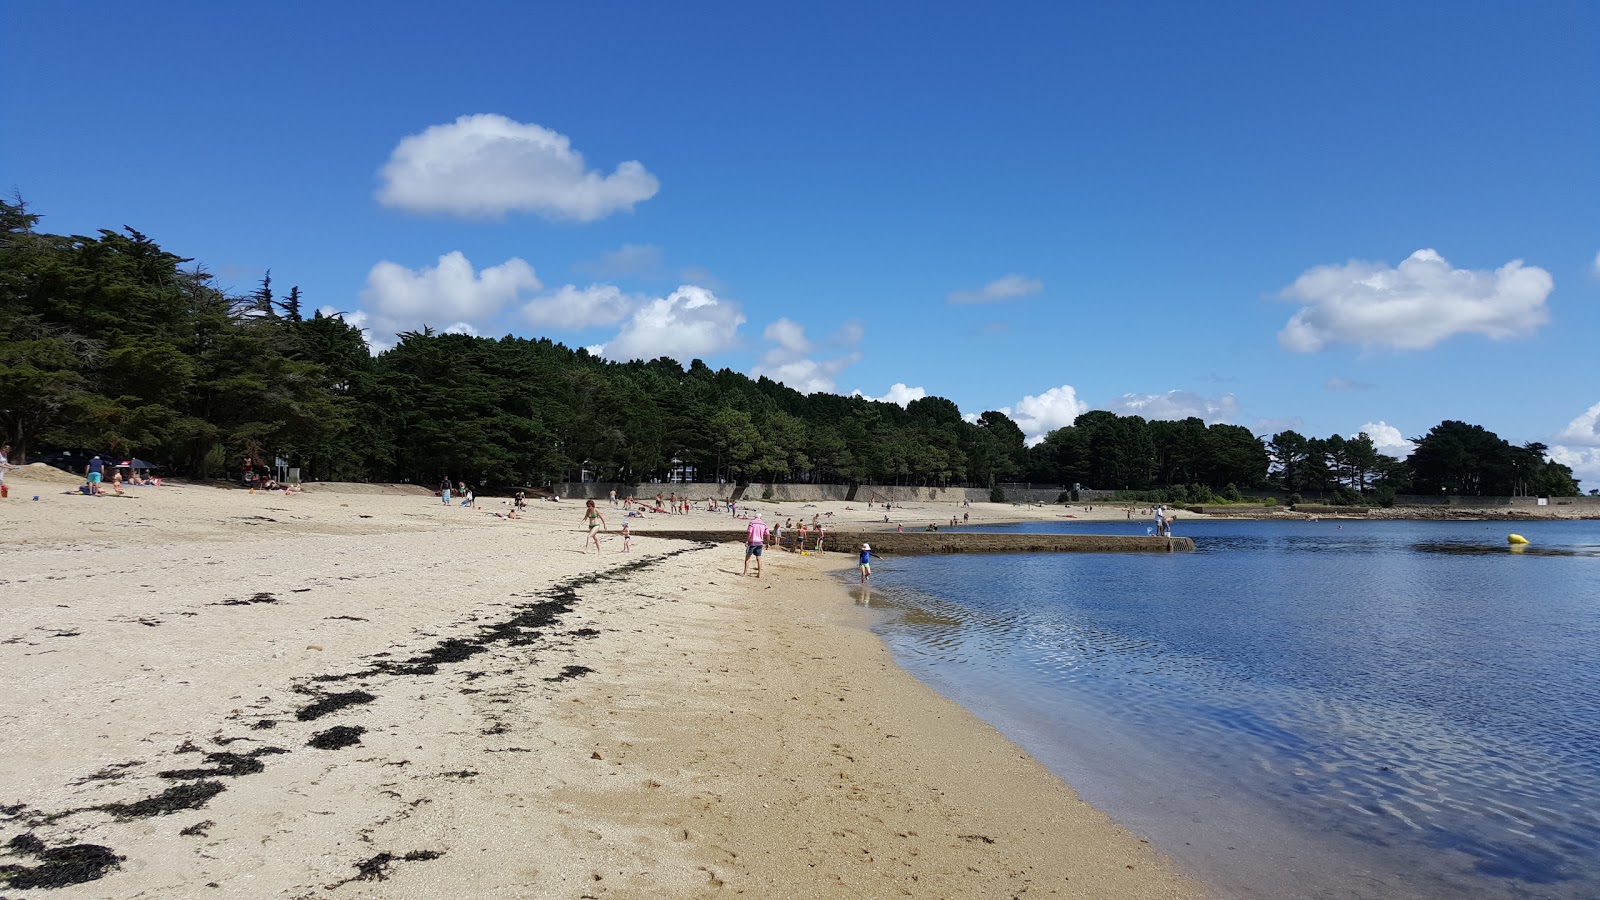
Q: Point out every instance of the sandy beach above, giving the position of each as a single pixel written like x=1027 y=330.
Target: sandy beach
x=360 y=692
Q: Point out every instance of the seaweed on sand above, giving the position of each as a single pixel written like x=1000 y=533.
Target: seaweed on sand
x=332 y=703
x=57 y=866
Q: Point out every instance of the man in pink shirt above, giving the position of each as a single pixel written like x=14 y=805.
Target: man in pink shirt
x=753 y=539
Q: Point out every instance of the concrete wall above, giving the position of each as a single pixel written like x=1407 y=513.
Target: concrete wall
x=921 y=542
x=808 y=493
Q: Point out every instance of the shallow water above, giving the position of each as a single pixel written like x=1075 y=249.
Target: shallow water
x=1298 y=709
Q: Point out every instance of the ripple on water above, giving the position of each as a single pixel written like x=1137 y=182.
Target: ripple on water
x=1418 y=700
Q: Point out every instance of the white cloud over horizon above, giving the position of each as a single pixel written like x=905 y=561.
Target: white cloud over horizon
x=570 y=306
x=486 y=165
x=1006 y=287
x=1596 y=267
x=791 y=358
x=1176 y=405
x=1578 y=446
x=397 y=298
x=1414 y=305
x=1582 y=431
x=898 y=393
x=1039 y=414
x=688 y=324
x=1387 y=439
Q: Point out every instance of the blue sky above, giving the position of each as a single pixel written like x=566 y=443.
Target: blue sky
x=1257 y=213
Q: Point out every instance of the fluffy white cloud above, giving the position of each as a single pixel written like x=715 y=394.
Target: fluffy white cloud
x=484 y=166
x=570 y=306
x=1007 y=287
x=398 y=299
x=1039 y=414
x=1584 y=462
x=899 y=394
x=1584 y=431
x=1176 y=405
x=791 y=360
x=1415 y=305
x=1597 y=264
x=1387 y=439
x=688 y=323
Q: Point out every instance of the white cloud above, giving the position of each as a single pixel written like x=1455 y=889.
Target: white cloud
x=1584 y=431
x=1038 y=415
x=1597 y=264
x=1176 y=405
x=689 y=323
x=899 y=394
x=790 y=359
x=1584 y=462
x=1415 y=305
x=570 y=306
x=399 y=299
x=1008 y=287
x=627 y=261
x=1387 y=439
x=484 y=166
x=359 y=320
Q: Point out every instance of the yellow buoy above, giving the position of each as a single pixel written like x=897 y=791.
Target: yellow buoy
x=1516 y=539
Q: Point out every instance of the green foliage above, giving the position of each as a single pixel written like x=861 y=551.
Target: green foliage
x=1385 y=496
x=110 y=341
x=1293 y=500
x=1232 y=494
x=996 y=495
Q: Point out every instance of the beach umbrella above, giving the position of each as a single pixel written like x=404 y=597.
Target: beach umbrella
x=136 y=463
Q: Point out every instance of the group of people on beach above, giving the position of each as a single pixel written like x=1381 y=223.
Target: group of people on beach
x=94 y=478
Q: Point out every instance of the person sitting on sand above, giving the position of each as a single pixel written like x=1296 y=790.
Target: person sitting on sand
x=468 y=500
x=596 y=524
x=116 y=482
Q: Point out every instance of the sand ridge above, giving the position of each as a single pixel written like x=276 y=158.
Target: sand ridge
x=506 y=716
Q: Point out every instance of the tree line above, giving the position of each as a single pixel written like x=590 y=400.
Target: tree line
x=112 y=342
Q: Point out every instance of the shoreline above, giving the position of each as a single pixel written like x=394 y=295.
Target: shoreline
x=637 y=725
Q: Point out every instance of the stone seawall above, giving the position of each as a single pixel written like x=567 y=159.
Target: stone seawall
x=918 y=543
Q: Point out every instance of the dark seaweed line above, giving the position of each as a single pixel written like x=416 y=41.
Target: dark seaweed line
x=78 y=863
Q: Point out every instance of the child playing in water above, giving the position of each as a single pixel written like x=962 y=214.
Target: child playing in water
x=627 y=538
x=866 y=562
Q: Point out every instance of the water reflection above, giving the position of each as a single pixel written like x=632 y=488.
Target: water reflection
x=1400 y=700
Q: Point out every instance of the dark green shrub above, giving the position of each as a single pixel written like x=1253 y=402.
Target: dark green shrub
x=1294 y=500
x=996 y=495
x=1231 y=493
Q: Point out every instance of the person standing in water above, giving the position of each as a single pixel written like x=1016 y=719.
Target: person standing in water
x=866 y=562
x=595 y=522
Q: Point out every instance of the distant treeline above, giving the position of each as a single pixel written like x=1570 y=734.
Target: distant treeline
x=112 y=343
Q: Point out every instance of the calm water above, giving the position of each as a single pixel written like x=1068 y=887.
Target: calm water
x=1316 y=709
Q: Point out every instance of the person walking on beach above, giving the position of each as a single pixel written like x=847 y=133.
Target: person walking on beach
x=613 y=497
x=754 y=537
x=94 y=473
x=866 y=562
x=627 y=538
x=595 y=522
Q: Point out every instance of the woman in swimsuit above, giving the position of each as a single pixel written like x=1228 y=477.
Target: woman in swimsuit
x=595 y=521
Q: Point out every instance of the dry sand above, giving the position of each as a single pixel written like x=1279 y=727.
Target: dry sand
x=528 y=720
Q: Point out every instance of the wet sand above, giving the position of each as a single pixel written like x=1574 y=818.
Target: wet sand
x=344 y=694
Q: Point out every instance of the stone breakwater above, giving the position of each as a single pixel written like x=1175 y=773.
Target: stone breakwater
x=917 y=543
